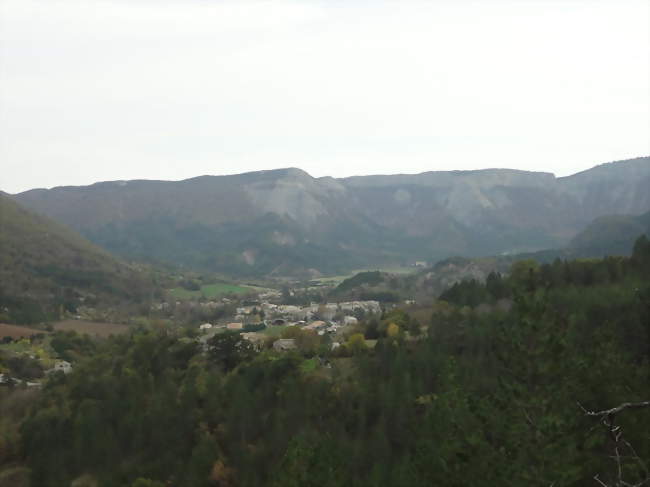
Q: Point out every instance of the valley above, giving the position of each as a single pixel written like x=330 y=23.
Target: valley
x=228 y=330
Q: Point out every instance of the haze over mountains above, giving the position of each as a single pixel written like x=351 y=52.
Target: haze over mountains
x=285 y=222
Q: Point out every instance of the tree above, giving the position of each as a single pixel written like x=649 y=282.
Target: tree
x=229 y=350
x=356 y=343
x=392 y=331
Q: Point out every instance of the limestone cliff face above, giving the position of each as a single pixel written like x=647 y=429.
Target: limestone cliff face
x=617 y=187
x=286 y=218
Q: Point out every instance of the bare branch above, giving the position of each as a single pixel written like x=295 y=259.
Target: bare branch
x=607 y=418
x=617 y=409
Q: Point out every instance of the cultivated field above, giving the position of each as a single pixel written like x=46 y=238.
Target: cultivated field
x=15 y=331
x=98 y=329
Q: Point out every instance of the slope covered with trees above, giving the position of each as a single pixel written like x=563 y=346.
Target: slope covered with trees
x=611 y=235
x=483 y=394
x=47 y=269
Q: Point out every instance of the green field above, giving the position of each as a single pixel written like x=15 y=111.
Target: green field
x=336 y=280
x=213 y=291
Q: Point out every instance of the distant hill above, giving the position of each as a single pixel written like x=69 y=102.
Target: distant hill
x=46 y=267
x=285 y=222
x=423 y=285
x=611 y=235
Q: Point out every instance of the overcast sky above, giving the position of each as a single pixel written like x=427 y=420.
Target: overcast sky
x=169 y=89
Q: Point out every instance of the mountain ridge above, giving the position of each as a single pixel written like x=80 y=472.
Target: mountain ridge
x=289 y=220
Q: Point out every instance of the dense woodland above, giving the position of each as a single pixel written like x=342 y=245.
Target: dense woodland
x=47 y=270
x=494 y=390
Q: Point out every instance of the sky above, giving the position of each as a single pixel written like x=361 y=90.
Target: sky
x=96 y=90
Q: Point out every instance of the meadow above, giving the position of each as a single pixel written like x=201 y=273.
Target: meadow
x=211 y=291
x=336 y=280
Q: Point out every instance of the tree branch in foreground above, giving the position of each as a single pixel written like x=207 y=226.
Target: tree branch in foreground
x=620 y=444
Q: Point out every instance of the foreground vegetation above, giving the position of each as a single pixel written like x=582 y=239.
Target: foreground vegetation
x=495 y=390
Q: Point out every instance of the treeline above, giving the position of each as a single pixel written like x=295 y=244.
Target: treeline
x=480 y=395
x=530 y=275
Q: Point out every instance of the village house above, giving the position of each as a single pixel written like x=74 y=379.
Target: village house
x=367 y=306
x=205 y=326
x=284 y=344
x=235 y=326
x=349 y=320
x=269 y=307
x=315 y=325
x=295 y=312
x=63 y=366
x=257 y=339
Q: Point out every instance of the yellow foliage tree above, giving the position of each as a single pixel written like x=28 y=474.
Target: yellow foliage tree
x=356 y=343
x=392 y=331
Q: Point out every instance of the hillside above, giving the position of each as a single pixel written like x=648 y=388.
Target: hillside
x=423 y=285
x=285 y=222
x=490 y=387
x=46 y=268
x=611 y=235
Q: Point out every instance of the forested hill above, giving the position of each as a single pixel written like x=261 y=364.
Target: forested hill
x=611 y=235
x=606 y=236
x=47 y=269
x=285 y=222
x=495 y=389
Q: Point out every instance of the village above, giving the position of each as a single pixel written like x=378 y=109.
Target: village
x=259 y=321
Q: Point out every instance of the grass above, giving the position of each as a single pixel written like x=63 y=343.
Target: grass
x=211 y=291
x=19 y=346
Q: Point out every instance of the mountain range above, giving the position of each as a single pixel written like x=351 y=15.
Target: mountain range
x=286 y=222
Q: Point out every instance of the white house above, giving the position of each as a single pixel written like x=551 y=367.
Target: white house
x=205 y=326
x=63 y=366
x=284 y=344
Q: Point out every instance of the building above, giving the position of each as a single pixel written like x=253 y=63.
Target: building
x=350 y=320
x=284 y=344
x=257 y=339
x=63 y=366
x=205 y=326
x=315 y=325
x=235 y=326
